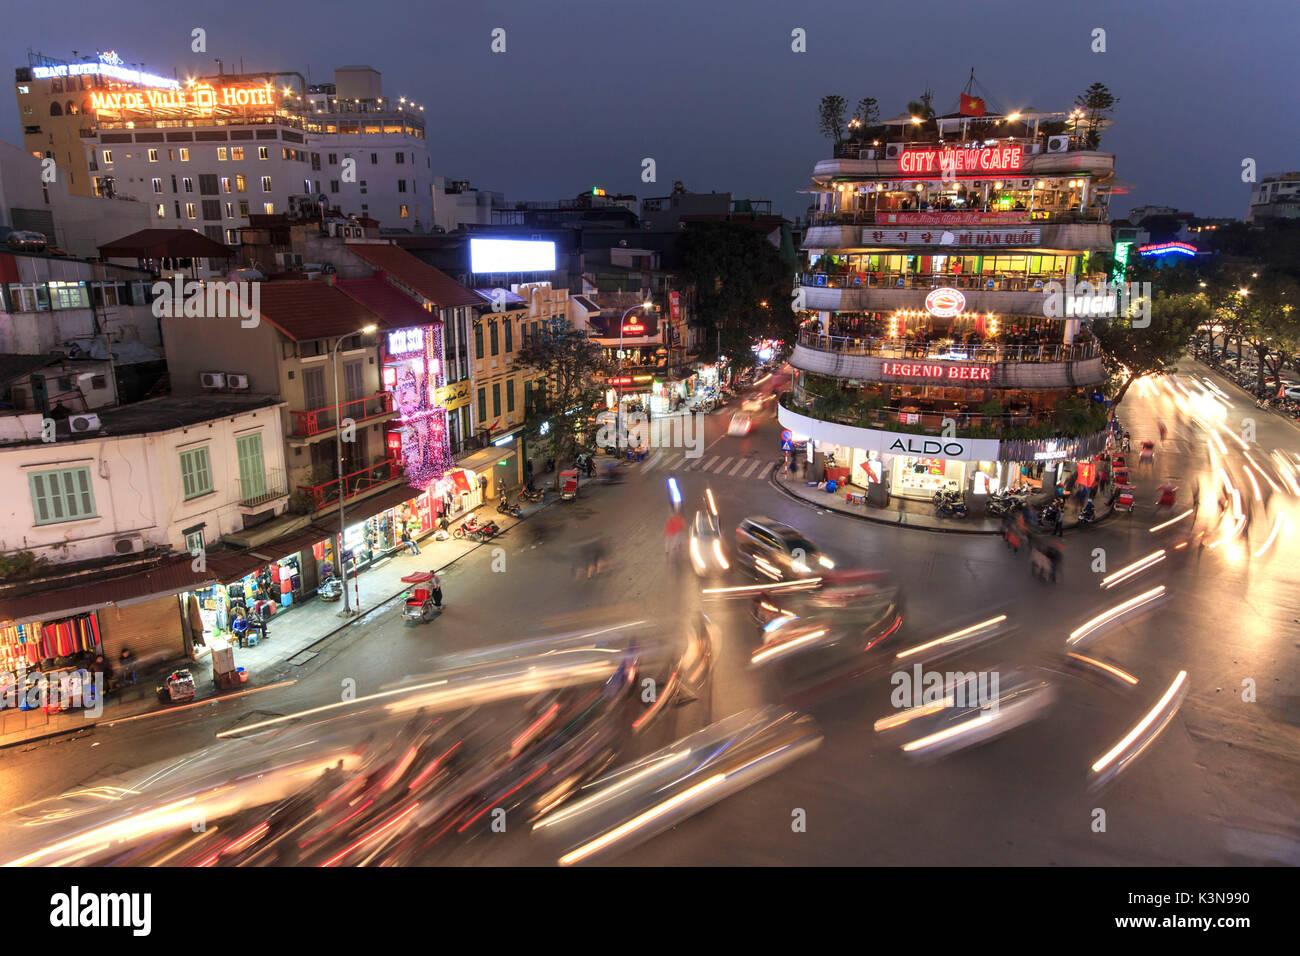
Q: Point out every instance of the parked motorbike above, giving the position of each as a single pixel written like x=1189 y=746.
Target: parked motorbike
x=950 y=509
x=506 y=508
x=480 y=530
x=330 y=590
x=532 y=494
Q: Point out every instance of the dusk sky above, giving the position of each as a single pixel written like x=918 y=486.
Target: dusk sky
x=712 y=91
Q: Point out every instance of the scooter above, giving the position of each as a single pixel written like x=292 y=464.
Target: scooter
x=532 y=494
x=950 y=509
x=506 y=508
x=471 y=525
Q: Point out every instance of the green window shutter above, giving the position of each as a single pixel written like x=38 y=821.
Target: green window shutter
x=510 y=395
x=510 y=336
x=478 y=341
x=61 y=495
x=482 y=405
x=196 y=473
x=492 y=331
x=252 y=476
x=496 y=400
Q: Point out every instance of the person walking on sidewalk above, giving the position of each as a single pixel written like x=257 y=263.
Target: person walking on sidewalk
x=409 y=540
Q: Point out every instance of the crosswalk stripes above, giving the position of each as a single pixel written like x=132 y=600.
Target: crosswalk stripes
x=654 y=461
x=740 y=463
x=750 y=469
x=731 y=466
x=722 y=467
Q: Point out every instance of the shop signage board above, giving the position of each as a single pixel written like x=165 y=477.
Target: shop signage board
x=944 y=303
x=892 y=443
x=995 y=238
x=938 y=160
x=455 y=395
x=202 y=99
x=675 y=306
x=995 y=218
x=934 y=371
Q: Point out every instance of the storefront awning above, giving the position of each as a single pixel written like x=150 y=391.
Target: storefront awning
x=170 y=576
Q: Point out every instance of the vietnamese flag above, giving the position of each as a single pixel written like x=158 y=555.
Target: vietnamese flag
x=971 y=106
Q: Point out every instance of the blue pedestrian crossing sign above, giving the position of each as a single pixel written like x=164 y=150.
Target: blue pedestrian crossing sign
x=786 y=445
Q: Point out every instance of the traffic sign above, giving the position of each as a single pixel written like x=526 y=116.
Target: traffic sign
x=786 y=436
x=786 y=446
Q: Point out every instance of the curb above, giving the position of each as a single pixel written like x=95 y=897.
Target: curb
x=356 y=619
x=915 y=527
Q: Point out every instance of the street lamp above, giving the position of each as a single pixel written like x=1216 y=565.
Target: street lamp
x=618 y=392
x=338 y=443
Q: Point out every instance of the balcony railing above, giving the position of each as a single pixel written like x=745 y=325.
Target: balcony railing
x=1031 y=217
x=857 y=149
x=355 y=483
x=989 y=353
x=307 y=424
x=937 y=280
x=265 y=487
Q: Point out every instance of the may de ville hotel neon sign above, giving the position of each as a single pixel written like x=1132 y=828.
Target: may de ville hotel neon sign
x=201 y=99
x=950 y=372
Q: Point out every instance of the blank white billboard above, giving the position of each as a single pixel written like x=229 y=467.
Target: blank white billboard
x=511 y=255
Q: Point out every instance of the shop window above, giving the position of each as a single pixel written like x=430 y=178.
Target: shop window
x=196 y=473
x=61 y=494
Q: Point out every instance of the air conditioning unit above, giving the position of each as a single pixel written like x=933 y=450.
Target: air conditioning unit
x=894 y=150
x=1033 y=149
x=212 y=379
x=866 y=154
x=1058 y=144
x=236 y=381
x=83 y=423
x=131 y=544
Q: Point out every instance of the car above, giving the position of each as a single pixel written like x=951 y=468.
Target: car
x=1293 y=393
x=741 y=424
x=753 y=404
x=707 y=554
x=776 y=551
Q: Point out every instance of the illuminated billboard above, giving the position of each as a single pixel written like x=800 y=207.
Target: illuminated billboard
x=511 y=255
x=201 y=99
x=412 y=365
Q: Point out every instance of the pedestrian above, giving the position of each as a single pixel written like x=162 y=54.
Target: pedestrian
x=673 y=536
x=482 y=487
x=126 y=664
x=435 y=586
x=1059 y=528
x=1196 y=501
x=410 y=541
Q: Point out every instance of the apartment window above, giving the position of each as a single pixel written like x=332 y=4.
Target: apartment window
x=306 y=186
x=243 y=208
x=263 y=152
x=510 y=395
x=194 y=542
x=252 y=472
x=496 y=400
x=174 y=188
x=61 y=494
x=188 y=183
x=222 y=154
x=225 y=184
x=478 y=341
x=230 y=210
x=29 y=298
x=401 y=185
x=268 y=208
x=401 y=158
x=510 y=336
x=241 y=184
x=374 y=161
x=266 y=184
x=334 y=185
x=404 y=212
x=157 y=185
x=171 y=155
x=196 y=473
x=211 y=209
x=315 y=162
x=492 y=335
x=236 y=153
x=334 y=159
x=178 y=209
x=108 y=156
x=482 y=406
x=69 y=295
x=153 y=155
x=161 y=210
x=189 y=211
x=185 y=154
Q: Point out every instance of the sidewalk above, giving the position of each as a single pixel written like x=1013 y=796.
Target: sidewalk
x=910 y=514
x=293 y=635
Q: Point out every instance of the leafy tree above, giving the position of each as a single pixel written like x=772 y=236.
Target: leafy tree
x=830 y=117
x=569 y=366
x=735 y=270
x=867 y=112
x=1138 y=352
x=1096 y=101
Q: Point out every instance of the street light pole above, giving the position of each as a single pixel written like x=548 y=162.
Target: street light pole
x=338 y=445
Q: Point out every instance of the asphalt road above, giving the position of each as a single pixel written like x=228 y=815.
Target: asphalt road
x=1217 y=787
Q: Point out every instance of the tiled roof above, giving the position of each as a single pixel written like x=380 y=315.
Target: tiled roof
x=434 y=284
x=314 y=309
x=383 y=298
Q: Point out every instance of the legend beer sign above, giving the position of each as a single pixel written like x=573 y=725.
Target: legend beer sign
x=936 y=161
x=951 y=373
x=200 y=100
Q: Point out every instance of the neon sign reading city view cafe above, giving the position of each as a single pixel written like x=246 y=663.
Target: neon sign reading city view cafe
x=942 y=159
x=200 y=98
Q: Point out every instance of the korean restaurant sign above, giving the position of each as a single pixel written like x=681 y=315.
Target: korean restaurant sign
x=992 y=218
x=932 y=371
x=201 y=99
x=993 y=159
x=993 y=238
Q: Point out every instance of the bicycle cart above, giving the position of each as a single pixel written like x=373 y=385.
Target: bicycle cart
x=419 y=600
x=1124 y=499
x=568 y=485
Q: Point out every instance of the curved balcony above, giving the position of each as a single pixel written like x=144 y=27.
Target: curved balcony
x=926 y=439
x=900 y=361
x=1055 y=236
x=1075 y=162
x=887 y=292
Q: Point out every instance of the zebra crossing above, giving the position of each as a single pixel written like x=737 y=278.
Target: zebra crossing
x=729 y=466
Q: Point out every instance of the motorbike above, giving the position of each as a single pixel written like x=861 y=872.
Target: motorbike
x=1048 y=517
x=330 y=590
x=940 y=496
x=480 y=530
x=532 y=494
x=1005 y=504
x=950 y=509
x=1088 y=515
x=506 y=508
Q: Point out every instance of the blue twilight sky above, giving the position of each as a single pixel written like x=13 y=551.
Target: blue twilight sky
x=712 y=91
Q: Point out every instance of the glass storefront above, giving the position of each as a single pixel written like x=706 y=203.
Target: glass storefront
x=921 y=477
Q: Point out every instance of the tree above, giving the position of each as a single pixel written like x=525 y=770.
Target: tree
x=1096 y=102
x=867 y=113
x=557 y=418
x=743 y=286
x=830 y=117
x=1137 y=352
